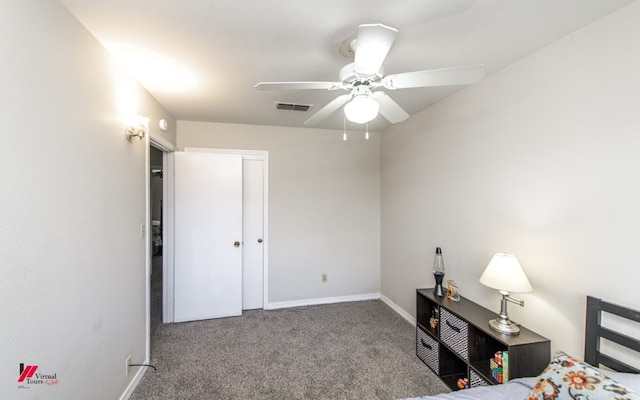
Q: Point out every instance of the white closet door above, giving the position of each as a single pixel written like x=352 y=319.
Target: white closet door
x=208 y=236
x=253 y=235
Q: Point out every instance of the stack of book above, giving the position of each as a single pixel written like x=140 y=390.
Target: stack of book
x=500 y=367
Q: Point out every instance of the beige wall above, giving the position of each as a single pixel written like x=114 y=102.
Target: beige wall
x=324 y=213
x=72 y=293
x=540 y=160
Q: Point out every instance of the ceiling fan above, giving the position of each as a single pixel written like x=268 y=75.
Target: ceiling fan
x=365 y=75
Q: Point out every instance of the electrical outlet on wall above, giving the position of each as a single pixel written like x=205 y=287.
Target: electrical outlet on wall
x=128 y=365
x=324 y=277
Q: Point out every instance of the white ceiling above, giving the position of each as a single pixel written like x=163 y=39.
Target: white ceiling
x=230 y=45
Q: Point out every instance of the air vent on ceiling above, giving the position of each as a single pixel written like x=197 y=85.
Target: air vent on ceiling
x=293 y=106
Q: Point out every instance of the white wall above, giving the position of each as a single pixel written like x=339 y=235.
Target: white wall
x=324 y=211
x=540 y=160
x=72 y=293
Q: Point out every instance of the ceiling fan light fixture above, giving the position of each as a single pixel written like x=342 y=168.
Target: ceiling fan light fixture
x=361 y=109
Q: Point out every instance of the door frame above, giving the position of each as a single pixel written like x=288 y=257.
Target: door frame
x=168 y=264
x=156 y=140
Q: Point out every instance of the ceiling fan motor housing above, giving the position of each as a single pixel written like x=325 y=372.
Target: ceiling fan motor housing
x=349 y=76
x=361 y=90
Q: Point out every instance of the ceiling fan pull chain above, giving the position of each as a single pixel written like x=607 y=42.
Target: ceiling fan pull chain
x=344 y=128
x=366 y=135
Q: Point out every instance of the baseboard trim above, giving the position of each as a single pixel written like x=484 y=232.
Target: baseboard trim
x=326 y=300
x=398 y=309
x=134 y=383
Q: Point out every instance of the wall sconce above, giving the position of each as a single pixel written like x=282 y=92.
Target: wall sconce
x=138 y=127
x=505 y=274
x=362 y=108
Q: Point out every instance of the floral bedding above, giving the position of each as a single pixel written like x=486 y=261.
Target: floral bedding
x=565 y=378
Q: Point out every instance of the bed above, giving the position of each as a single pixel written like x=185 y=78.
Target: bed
x=602 y=375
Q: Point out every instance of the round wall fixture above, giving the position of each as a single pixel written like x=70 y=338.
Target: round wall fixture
x=163 y=124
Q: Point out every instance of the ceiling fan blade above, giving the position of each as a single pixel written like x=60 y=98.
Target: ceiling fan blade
x=389 y=108
x=436 y=77
x=298 y=85
x=372 y=45
x=328 y=109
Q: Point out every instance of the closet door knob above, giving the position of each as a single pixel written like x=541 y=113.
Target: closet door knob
x=259 y=240
x=236 y=244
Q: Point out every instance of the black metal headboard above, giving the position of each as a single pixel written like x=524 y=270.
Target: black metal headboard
x=595 y=331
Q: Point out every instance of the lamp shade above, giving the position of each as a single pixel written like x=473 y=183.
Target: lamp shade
x=505 y=273
x=361 y=109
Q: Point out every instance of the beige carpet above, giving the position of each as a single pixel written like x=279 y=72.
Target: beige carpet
x=359 y=350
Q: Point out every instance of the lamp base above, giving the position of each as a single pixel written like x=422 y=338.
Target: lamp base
x=438 y=290
x=508 y=327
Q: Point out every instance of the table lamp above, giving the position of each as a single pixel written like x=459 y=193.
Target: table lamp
x=505 y=274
